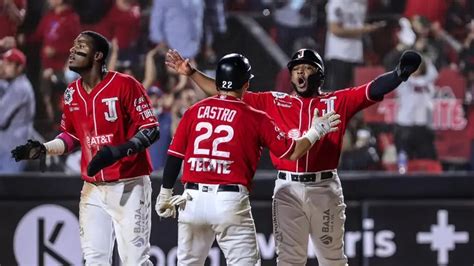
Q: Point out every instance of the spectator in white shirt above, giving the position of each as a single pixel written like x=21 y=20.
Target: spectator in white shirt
x=344 y=50
x=414 y=134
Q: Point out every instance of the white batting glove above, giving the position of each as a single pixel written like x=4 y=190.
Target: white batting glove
x=180 y=200
x=322 y=125
x=163 y=207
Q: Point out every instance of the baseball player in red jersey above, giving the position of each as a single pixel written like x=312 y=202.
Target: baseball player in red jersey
x=220 y=141
x=108 y=115
x=308 y=198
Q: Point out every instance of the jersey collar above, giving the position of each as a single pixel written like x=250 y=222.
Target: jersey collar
x=227 y=97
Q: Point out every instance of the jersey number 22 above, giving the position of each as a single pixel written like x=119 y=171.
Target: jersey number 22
x=208 y=130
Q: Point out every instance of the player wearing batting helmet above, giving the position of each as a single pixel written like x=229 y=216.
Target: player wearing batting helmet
x=308 y=198
x=108 y=115
x=220 y=156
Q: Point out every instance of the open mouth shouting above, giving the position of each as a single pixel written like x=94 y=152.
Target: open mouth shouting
x=302 y=82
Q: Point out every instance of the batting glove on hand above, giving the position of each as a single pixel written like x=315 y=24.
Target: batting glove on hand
x=163 y=206
x=326 y=123
x=180 y=200
x=409 y=63
x=32 y=150
x=106 y=156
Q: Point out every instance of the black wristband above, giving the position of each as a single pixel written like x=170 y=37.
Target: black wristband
x=171 y=171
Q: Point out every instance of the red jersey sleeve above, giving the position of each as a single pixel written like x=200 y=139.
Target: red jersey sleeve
x=273 y=138
x=179 y=142
x=66 y=123
x=255 y=99
x=138 y=105
x=356 y=98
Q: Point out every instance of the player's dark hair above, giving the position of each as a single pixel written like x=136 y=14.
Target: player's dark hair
x=100 y=43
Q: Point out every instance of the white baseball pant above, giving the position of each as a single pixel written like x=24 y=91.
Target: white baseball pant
x=222 y=215
x=117 y=210
x=314 y=209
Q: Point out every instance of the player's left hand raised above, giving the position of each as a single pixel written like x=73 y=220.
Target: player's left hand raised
x=326 y=123
x=409 y=63
x=104 y=157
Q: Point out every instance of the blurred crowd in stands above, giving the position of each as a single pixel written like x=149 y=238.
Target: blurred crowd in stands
x=426 y=124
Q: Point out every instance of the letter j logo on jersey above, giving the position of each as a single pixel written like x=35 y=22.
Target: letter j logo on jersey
x=111 y=114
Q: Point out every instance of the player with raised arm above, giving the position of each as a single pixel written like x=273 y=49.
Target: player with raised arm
x=108 y=115
x=220 y=139
x=308 y=199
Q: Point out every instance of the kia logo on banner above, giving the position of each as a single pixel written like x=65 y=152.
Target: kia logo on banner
x=48 y=235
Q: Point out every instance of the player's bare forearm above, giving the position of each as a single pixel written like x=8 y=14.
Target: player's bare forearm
x=203 y=81
x=302 y=146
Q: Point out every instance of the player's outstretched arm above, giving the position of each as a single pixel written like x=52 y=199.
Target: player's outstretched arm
x=385 y=83
x=108 y=155
x=175 y=61
x=34 y=149
x=320 y=126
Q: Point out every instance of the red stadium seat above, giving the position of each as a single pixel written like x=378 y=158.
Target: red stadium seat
x=424 y=165
x=454 y=79
x=363 y=75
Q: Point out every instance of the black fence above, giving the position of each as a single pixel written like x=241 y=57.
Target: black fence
x=413 y=220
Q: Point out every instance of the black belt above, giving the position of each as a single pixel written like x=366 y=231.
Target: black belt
x=231 y=188
x=306 y=177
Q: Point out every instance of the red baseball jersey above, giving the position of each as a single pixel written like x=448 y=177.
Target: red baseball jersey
x=221 y=138
x=293 y=114
x=111 y=114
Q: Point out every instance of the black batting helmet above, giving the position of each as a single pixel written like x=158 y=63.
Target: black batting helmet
x=306 y=56
x=311 y=57
x=233 y=70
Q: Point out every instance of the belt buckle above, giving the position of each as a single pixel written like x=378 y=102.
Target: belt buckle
x=207 y=189
x=308 y=178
